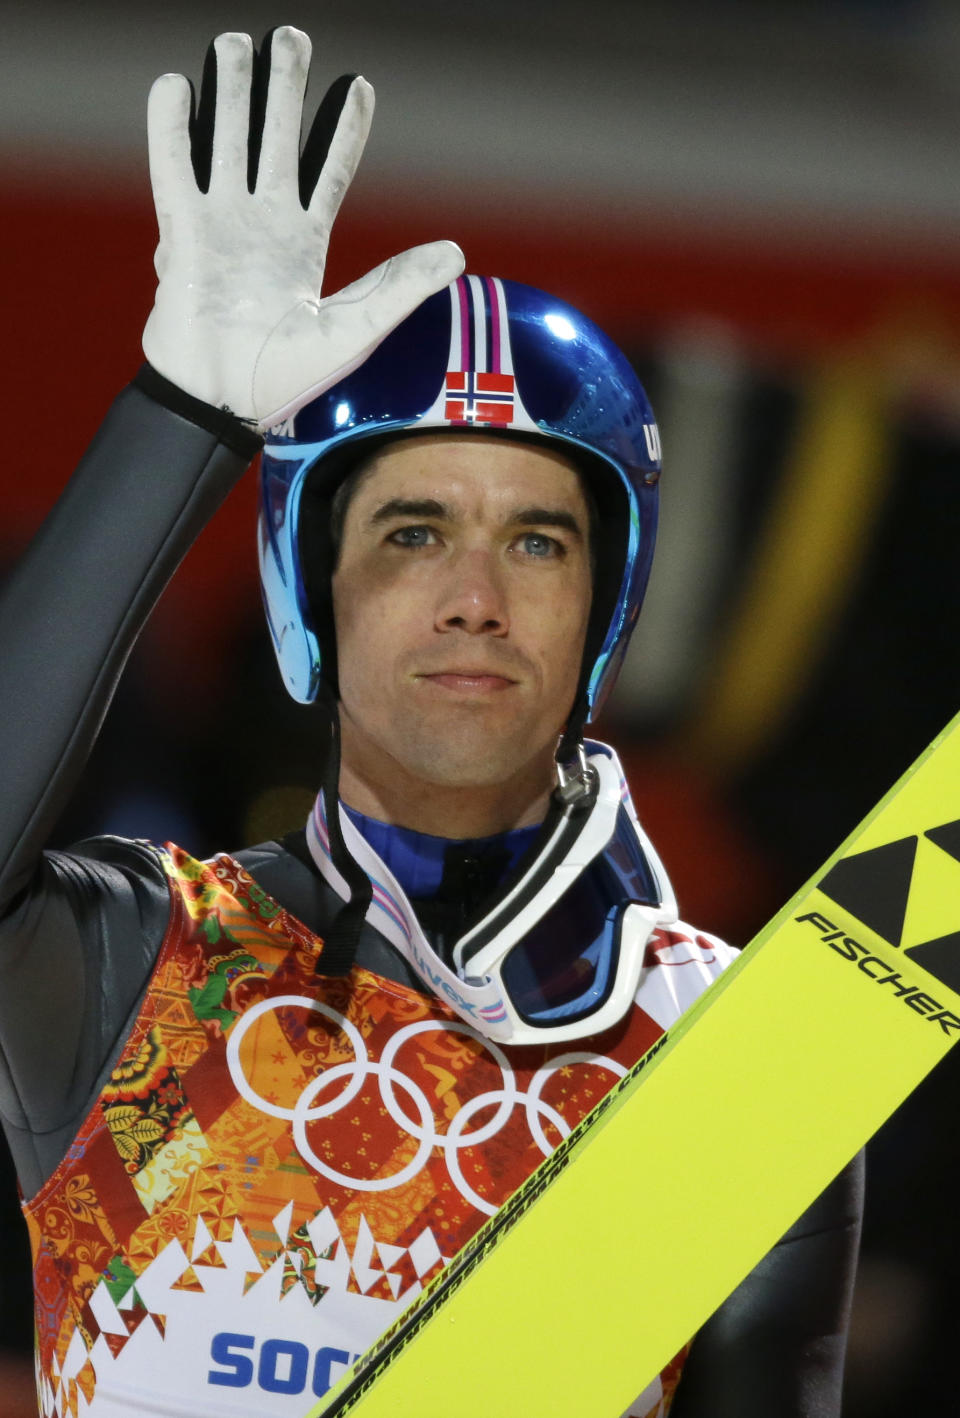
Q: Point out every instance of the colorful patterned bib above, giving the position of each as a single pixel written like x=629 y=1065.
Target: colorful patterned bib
x=279 y=1161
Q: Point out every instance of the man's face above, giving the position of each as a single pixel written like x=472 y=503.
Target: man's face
x=461 y=601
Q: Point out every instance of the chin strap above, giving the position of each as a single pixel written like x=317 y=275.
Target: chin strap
x=342 y=935
x=576 y=779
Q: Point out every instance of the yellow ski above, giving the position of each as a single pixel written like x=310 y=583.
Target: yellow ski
x=760 y=1094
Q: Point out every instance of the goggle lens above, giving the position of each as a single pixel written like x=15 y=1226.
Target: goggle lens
x=565 y=966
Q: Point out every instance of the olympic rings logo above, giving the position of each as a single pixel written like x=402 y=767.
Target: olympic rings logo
x=421 y=1125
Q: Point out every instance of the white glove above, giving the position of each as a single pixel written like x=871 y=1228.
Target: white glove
x=238 y=319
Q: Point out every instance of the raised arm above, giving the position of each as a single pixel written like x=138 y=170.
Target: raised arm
x=240 y=336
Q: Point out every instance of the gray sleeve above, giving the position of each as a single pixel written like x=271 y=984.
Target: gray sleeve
x=78 y=932
x=76 y=953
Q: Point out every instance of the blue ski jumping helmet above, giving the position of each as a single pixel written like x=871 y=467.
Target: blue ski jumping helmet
x=484 y=353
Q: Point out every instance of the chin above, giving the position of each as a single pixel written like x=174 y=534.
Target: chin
x=461 y=761
x=457 y=770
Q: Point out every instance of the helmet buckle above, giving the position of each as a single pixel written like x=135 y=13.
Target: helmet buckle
x=576 y=779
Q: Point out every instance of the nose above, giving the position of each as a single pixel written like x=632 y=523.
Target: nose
x=474 y=597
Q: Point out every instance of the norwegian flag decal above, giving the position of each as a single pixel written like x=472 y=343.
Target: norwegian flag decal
x=479 y=397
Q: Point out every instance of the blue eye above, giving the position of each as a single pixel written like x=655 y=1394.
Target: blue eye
x=412 y=536
x=539 y=545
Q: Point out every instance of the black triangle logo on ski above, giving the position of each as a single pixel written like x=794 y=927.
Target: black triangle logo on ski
x=941 y=957
x=947 y=838
x=875 y=886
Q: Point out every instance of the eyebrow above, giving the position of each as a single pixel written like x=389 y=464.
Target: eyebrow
x=546 y=517
x=410 y=507
x=520 y=517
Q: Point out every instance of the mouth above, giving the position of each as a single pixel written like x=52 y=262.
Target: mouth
x=469 y=681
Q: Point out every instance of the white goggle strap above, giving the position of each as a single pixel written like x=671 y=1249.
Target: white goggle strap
x=521 y=909
x=639 y=923
x=480 y=1003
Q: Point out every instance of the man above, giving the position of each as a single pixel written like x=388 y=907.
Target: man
x=255 y=1103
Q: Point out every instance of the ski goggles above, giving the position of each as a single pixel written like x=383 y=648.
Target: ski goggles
x=559 y=953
